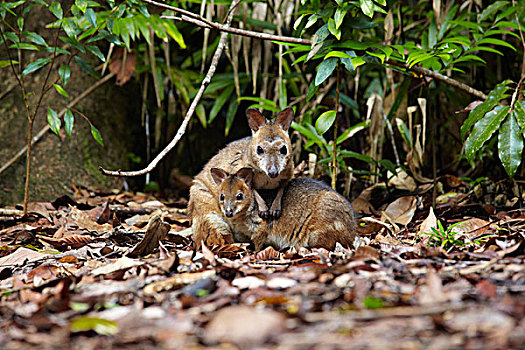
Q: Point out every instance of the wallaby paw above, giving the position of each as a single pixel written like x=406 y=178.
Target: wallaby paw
x=264 y=214
x=275 y=214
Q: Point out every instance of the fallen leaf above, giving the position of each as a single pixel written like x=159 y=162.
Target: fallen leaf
x=155 y=232
x=99 y=325
x=244 y=326
x=401 y=211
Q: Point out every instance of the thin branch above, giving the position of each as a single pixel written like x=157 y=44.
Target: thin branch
x=182 y=129
x=202 y=22
x=46 y=128
x=440 y=77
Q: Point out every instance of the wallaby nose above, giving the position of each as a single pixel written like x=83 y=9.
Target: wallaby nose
x=229 y=213
x=273 y=172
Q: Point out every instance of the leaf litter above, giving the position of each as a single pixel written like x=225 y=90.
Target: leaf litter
x=119 y=270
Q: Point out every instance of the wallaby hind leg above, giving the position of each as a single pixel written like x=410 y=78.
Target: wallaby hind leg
x=210 y=229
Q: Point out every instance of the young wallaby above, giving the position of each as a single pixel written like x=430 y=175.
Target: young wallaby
x=267 y=152
x=313 y=215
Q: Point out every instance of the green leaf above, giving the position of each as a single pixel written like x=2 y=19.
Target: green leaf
x=86 y=67
x=510 y=145
x=64 y=73
x=173 y=32
x=81 y=4
x=56 y=9
x=484 y=129
x=91 y=17
x=332 y=28
x=298 y=21
x=491 y=9
x=353 y=45
x=34 y=38
x=339 y=16
x=352 y=130
x=96 y=135
x=477 y=113
x=320 y=35
x=311 y=21
x=24 y=46
x=219 y=102
x=310 y=133
x=53 y=120
x=99 y=325
x=324 y=70
x=469 y=58
x=230 y=116
x=34 y=66
x=325 y=122
x=61 y=90
x=96 y=51
x=6 y=63
x=371 y=302
x=312 y=89
x=355 y=155
x=201 y=114
x=73 y=43
x=432 y=33
x=69 y=121
x=494 y=41
x=283 y=95
x=367 y=6
x=519 y=114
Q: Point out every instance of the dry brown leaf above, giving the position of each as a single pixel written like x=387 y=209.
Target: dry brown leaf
x=21 y=256
x=73 y=241
x=427 y=225
x=176 y=281
x=401 y=211
x=432 y=292
x=84 y=221
x=123 y=263
x=366 y=253
x=155 y=232
x=243 y=325
x=123 y=73
x=269 y=253
x=402 y=181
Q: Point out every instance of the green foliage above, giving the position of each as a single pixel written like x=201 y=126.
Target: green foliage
x=490 y=117
x=448 y=239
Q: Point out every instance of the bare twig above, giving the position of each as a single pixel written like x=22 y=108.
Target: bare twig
x=46 y=128
x=440 y=77
x=191 y=109
x=258 y=35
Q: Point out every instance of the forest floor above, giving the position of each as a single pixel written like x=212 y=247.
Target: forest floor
x=86 y=271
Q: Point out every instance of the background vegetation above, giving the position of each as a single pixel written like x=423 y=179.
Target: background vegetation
x=427 y=87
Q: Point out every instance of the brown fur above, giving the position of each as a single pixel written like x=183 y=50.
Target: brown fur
x=203 y=207
x=313 y=215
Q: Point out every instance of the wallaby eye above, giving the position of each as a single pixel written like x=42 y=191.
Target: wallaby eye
x=284 y=150
x=239 y=196
x=221 y=197
x=260 y=150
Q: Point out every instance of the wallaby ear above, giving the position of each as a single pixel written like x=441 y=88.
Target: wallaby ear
x=284 y=118
x=255 y=119
x=245 y=174
x=218 y=175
